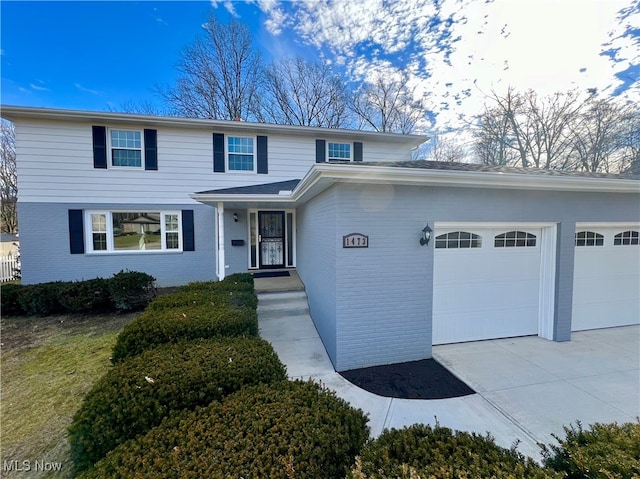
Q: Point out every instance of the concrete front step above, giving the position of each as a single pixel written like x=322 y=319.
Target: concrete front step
x=274 y=305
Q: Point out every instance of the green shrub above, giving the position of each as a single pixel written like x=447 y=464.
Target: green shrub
x=155 y=327
x=10 y=299
x=199 y=297
x=42 y=299
x=423 y=451
x=136 y=394
x=86 y=296
x=283 y=430
x=131 y=290
x=603 y=451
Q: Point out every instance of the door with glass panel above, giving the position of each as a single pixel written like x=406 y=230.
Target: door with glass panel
x=271 y=234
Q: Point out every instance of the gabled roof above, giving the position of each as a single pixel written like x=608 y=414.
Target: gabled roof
x=15 y=113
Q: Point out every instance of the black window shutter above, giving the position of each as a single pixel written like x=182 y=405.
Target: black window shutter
x=150 y=149
x=99 y=147
x=357 y=151
x=321 y=151
x=263 y=163
x=76 y=232
x=188 y=231
x=218 y=152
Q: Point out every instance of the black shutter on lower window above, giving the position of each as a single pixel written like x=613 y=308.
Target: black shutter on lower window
x=99 y=146
x=357 y=151
x=262 y=160
x=76 y=232
x=150 y=149
x=188 y=231
x=321 y=151
x=218 y=153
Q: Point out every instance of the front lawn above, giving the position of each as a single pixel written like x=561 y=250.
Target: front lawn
x=48 y=365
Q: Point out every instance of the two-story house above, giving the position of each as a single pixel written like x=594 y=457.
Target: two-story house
x=396 y=255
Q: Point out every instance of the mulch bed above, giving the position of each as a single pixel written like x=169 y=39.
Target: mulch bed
x=424 y=379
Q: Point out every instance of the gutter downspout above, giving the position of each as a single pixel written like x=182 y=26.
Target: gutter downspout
x=220 y=259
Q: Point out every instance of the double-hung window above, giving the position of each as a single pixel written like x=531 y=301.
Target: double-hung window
x=121 y=231
x=126 y=148
x=338 y=151
x=240 y=153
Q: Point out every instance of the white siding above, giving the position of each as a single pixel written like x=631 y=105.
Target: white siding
x=55 y=164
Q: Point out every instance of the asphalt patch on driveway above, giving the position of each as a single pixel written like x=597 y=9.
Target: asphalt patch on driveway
x=424 y=379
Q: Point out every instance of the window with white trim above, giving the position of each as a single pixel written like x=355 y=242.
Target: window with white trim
x=516 y=239
x=627 y=238
x=121 y=231
x=589 y=238
x=240 y=153
x=458 y=239
x=338 y=151
x=125 y=148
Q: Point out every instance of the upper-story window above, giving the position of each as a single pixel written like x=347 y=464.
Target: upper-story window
x=240 y=153
x=589 y=238
x=516 y=239
x=126 y=148
x=339 y=151
x=458 y=239
x=626 y=237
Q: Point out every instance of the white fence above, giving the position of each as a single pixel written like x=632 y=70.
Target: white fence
x=8 y=267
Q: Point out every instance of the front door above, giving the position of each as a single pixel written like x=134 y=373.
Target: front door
x=271 y=239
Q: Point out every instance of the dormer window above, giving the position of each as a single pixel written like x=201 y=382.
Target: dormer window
x=339 y=151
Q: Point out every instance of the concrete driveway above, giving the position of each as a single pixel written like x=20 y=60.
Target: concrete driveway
x=527 y=388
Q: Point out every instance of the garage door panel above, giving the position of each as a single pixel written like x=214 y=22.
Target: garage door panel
x=487 y=292
x=606 y=284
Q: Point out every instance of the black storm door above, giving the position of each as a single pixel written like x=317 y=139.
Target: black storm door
x=271 y=239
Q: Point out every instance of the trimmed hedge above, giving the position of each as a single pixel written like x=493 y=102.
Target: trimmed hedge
x=125 y=291
x=423 y=451
x=199 y=297
x=283 y=430
x=603 y=451
x=136 y=394
x=171 y=325
x=10 y=299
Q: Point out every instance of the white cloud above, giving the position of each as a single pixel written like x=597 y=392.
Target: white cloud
x=39 y=87
x=459 y=50
x=85 y=89
x=228 y=5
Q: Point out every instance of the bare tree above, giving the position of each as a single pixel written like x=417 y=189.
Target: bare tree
x=527 y=130
x=8 y=179
x=445 y=148
x=301 y=92
x=630 y=140
x=388 y=104
x=221 y=75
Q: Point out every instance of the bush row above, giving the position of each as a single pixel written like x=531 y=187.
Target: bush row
x=138 y=393
x=196 y=311
x=124 y=291
x=282 y=430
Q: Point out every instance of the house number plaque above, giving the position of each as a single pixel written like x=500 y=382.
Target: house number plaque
x=355 y=240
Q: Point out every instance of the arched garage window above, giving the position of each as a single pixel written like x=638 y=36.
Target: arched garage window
x=458 y=239
x=626 y=237
x=589 y=238
x=515 y=239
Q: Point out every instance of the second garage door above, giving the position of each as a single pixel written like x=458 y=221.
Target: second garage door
x=486 y=282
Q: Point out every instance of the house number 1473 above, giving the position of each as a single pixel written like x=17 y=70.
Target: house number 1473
x=355 y=240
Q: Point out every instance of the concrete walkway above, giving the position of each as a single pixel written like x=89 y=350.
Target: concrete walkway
x=527 y=388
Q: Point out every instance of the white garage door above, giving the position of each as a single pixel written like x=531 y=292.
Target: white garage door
x=606 y=283
x=486 y=283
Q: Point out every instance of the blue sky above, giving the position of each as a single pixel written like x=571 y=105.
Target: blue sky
x=101 y=55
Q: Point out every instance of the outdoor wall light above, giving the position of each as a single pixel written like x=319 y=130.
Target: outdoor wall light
x=426 y=235
x=235 y=217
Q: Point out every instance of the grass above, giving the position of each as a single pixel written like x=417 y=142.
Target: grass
x=47 y=366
